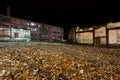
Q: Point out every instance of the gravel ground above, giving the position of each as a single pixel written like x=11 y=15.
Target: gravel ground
x=54 y=61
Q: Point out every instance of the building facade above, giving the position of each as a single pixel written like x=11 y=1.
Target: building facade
x=107 y=35
x=38 y=31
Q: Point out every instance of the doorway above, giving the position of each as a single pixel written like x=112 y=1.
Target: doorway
x=97 y=41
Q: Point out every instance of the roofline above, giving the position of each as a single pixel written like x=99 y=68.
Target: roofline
x=27 y=20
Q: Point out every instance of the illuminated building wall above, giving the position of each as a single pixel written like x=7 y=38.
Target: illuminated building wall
x=86 y=37
x=101 y=33
x=20 y=34
x=4 y=34
x=114 y=33
x=114 y=36
x=14 y=34
x=78 y=37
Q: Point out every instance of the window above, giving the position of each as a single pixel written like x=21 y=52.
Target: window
x=43 y=35
x=33 y=34
x=33 y=24
x=45 y=27
x=28 y=28
x=5 y=19
x=54 y=32
x=58 y=32
x=49 y=31
x=33 y=29
x=24 y=23
x=57 y=28
x=39 y=25
x=46 y=36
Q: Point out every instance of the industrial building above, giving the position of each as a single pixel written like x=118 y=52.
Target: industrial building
x=102 y=35
x=38 y=31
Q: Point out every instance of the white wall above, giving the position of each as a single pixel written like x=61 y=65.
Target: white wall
x=21 y=33
x=114 y=36
x=86 y=37
x=100 y=32
x=4 y=31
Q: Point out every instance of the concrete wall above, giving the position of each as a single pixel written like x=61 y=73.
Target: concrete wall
x=20 y=34
x=114 y=36
x=114 y=33
x=84 y=35
x=86 y=38
x=4 y=34
x=101 y=33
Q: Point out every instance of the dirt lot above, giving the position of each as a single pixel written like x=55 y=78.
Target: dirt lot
x=52 y=61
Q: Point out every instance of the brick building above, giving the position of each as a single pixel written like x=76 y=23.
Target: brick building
x=39 y=31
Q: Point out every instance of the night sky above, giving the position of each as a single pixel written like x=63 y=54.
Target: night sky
x=64 y=13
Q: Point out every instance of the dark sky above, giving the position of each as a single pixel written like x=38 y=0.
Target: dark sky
x=64 y=13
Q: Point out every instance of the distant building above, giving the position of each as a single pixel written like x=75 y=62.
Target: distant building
x=38 y=31
x=107 y=35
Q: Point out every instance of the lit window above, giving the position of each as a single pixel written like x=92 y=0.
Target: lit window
x=33 y=24
x=28 y=24
x=25 y=23
x=28 y=28
x=34 y=29
x=39 y=25
x=31 y=29
x=46 y=36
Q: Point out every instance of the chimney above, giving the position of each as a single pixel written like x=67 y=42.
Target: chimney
x=8 y=11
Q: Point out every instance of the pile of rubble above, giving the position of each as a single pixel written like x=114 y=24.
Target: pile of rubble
x=59 y=62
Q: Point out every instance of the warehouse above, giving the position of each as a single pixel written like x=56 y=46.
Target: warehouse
x=102 y=35
x=38 y=31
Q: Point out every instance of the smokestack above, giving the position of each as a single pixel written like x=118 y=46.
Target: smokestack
x=8 y=11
